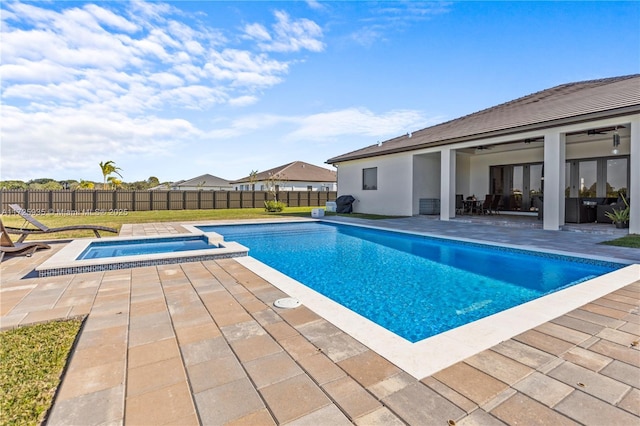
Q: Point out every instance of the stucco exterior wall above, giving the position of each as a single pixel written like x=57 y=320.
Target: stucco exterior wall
x=203 y=188
x=394 y=193
x=463 y=174
x=290 y=186
x=426 y=178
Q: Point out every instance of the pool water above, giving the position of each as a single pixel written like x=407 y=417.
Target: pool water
x=412 y=285
x=104 y=249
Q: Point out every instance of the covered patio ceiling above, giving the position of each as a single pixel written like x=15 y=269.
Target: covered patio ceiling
x=595 y=134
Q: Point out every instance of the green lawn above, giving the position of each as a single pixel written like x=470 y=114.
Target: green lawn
x=32 y=359
x=631 y=240
x=116 y=221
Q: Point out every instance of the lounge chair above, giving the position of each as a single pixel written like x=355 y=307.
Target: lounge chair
x=9 y=247
x=41 y=228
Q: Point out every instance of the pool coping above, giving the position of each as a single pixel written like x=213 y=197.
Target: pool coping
x=452 y=346
x=66 y=260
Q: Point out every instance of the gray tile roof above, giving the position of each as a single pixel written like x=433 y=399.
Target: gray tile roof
x=297 y=171
x=204 y=181
x=564 y=104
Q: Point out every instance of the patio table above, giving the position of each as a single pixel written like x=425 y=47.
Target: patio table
x=471 y=206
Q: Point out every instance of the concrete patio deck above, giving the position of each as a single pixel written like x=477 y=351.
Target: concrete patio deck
x=202 y=343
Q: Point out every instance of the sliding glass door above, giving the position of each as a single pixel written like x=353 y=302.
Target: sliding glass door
x=520 y=185
x=600 y=177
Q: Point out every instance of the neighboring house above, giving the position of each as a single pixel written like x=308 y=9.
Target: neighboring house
x=164 y=186
x=577 y=140
x=204 y=182
x=296 y=176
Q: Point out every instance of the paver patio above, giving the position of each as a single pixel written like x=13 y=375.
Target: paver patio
x=202 y=343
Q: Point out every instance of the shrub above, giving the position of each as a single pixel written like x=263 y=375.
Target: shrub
x=274 y=206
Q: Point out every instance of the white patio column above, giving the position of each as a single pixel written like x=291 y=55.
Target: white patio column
x=447 y=183
x=554 y=159
x=634 y=169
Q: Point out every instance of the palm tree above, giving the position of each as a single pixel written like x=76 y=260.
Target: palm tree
x=108 y=167
x=115 y=182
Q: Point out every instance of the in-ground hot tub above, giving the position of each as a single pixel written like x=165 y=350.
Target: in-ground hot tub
x=106 y=254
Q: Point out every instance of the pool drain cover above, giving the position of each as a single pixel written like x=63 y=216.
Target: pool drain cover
x=287 y=303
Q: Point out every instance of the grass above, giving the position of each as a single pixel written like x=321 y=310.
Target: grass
x=32 y=359
x=116 y=221
x=631 y=241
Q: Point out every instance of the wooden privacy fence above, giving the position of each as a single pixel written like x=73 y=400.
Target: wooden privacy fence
x=66 y=201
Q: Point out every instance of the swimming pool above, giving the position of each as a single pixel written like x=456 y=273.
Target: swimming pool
x=414 y=286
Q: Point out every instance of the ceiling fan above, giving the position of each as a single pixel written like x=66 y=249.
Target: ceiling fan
x=596 y=132
x=603 y=130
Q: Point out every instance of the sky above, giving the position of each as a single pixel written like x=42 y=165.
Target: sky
x=178 y=89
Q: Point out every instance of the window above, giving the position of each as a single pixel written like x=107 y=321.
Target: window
x=617 y=174
x=370 y=178
x=587 y=178
x=309 y=188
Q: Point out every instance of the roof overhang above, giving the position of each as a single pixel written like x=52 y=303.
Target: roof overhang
x=611 y=113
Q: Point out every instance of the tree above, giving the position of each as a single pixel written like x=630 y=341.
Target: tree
x=115 y=182
x=273 y=183
x=69 y=184
x=85 y=184
x=153 y=181
x=40 y=181
x=108 y=168
x=13 y=184
x=51 y=185
x=253 y=177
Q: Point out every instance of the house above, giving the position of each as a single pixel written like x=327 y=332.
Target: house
x=295 y=176
x=539 y=152
x=203 y=182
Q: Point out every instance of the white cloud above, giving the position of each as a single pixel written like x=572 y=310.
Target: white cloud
x=241 y=101
x=70 y=139
x=288 y=35
x=327 y=126
x=356 y=121
x=166 y=79
x=243 y=68
x=412 y=10
x=257 y=32
x=82 y=81
x=111 y=19
x=392 y=16
x=314 y=4
x=43 y=71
